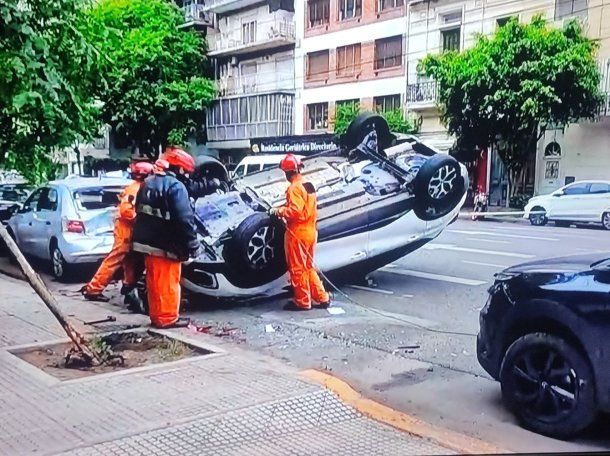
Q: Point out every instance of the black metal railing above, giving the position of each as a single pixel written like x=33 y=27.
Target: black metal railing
x=604 y=107
x=422 y=92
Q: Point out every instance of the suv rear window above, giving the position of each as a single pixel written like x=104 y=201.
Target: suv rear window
x=88 y=199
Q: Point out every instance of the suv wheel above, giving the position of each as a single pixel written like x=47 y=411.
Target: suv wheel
x=549 y=385
x=58 y=263
x=539 y=217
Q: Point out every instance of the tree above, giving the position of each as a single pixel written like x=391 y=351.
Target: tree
x=503 y=92
x=45 y=68
x=396 y=120
x=152 y=82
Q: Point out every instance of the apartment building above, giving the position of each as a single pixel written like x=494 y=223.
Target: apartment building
x=350 y=51
x=251 y=43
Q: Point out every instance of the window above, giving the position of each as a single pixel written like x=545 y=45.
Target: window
x=317 y=116
x=319 y=12
x=576 y=189
x=502 y=21
x=239 y=171
x=451 y=39
x=568 y=8
x=32 y=201
x=248 y=32
x=388 y=52
x=348 y=59
x=383 y=5
x=349 y=9
x=254 y=168
x=270 y=166
x=88 y=199
x=599 y=187
x=387 y=103
x=48 y=200
x=317 y=65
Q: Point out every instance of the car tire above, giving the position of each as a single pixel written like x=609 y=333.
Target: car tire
x=255 y=254
x=59 y=267
x=563 y=223
x=606 y=220
x=361 y=126
x=538 y=219
x=438 y=187
x=549 y=385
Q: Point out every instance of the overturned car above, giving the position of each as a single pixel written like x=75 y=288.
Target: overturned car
x=380 y=196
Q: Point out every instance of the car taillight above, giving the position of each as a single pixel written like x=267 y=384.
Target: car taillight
x=74 y=226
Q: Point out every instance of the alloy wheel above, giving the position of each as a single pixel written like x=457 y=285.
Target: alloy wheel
x=442 y=182
x=538 y=219
x=58 y=263
x=546 y=385
x=606 y=220
x=260 y=248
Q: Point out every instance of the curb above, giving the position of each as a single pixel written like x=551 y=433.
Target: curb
x=449 y=439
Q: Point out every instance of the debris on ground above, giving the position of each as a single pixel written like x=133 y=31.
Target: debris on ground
x=336 y=310
x=269 y=329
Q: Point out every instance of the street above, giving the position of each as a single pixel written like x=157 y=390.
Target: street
x=408 y=339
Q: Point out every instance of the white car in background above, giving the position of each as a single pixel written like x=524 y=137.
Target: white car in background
x=579 y=202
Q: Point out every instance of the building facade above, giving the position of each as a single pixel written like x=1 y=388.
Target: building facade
x=350 y=51
x=252 y=46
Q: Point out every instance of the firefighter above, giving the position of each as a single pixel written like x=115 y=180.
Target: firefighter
x=165 y=231
x=121 y=256
x=300 y=214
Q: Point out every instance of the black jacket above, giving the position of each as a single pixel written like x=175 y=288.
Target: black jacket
x=165 y=224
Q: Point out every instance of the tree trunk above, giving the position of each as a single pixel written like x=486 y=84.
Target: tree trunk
x=49 y=300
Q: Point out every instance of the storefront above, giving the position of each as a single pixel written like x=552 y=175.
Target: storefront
x=299 y=144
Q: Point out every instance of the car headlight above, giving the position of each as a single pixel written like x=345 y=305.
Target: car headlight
x=505 y=276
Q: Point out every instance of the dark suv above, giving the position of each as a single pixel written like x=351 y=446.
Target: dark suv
x=545 y=335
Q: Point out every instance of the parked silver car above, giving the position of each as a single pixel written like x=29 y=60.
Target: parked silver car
x=68 y=221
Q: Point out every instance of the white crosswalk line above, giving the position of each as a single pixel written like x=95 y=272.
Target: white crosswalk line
x=490 y=233
x=392 y=269
x=372 y=290
x=481 y=251
x=491 y=265
x=491 y=241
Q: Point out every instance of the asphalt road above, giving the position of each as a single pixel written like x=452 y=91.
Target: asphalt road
x=408 y=340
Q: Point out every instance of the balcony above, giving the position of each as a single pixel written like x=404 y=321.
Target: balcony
x=225 y=6
x=422 y=95
x=196 y=16
x=255 y=83
x=252 y=37
x=245 y=117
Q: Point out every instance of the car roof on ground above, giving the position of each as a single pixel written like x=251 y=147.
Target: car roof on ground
x=76 y=183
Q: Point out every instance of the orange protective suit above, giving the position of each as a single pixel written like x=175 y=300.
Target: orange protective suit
x=121 y=254
x=162 y=283
x=301 y=214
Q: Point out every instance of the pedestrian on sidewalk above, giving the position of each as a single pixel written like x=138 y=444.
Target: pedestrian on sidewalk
x=301 y=216
x=165 y=231
x=121 y=256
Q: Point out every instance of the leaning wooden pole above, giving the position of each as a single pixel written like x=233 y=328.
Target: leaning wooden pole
x=41 y=289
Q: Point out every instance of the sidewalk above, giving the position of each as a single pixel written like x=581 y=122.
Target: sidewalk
x=233 y=402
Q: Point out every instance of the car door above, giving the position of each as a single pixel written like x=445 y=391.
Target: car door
x=43 y=221
x=598 y=200
x=570 y=203
x=22 y=223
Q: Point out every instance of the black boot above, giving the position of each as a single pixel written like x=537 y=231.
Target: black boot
x=134 y=303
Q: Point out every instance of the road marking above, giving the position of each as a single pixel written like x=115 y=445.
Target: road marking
x=485 y=252
x=408 y=296
x=460 y=443
x=516 y=236
x=491 y=265
x=393 y=269
x=491 y=241
x=372 y=290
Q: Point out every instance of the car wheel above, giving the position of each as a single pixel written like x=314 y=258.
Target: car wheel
x=361 y=126
x=539 y=217
x=59 y=267
x=606 y=220
x=255 y=254
x=438 y=187
x=549 y=385
x=562 y=224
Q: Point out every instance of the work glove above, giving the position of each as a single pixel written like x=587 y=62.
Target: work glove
x=274 y=212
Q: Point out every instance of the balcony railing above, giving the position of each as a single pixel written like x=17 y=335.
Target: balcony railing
x=195 y=13
x=604 y=108
x=265 y=34
x=224 y=6
x=422 y=92
x=255 y=83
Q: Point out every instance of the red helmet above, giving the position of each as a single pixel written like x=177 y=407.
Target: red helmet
x=291 y=163
x=139 y=170
x=179 y=158
x=161 y=165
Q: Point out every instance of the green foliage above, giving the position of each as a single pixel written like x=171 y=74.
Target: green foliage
x=45 y=85
x=503 y=91
x=397 y=122
x=151 y=79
